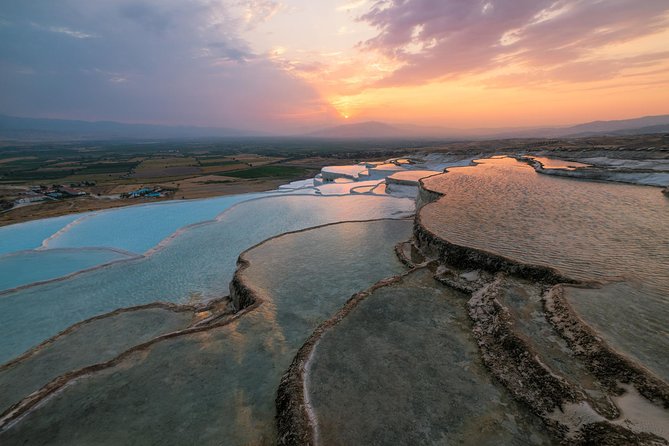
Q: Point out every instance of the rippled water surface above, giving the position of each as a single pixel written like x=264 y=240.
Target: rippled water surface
x=90 y=343
x=139 y=228
x=588 y=230
x=30 y=235
x=219 y=387
x=196 y=265
x=26 y=267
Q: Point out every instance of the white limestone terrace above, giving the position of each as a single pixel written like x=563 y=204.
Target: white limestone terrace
x=660 y=165
x=330 y=173
x=410 y=177
x=605 y=167
x=402 y=174
x=94 y=239
x=383 y=170
x=551 y=163
x=368 y=170
x=405 y=183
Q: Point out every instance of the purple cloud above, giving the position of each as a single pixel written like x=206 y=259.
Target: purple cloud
x=436 y=39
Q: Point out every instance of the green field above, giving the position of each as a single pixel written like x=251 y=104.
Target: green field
x=267 y=171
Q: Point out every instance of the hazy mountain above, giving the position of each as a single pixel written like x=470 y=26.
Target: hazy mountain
x=15 y=128
x=663 y=128
x=636 y=126
x=12 y=127
x=647 y=124
x=372 y=129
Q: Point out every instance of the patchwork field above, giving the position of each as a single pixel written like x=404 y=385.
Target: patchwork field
x=104 y=174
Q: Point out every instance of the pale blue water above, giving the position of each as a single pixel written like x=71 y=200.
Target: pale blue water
x=197 y=264
x=31 y=234
x=26 y=267
x=219 y=387
x=140 y=228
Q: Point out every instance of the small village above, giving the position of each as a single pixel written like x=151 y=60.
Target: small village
x=43 y=193
x=55 y=192
x=148 y=192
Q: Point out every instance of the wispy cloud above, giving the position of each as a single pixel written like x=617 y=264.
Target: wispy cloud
x=350 y=5
x=76 y=34
x=256 y=12
x=71 y=32
x=437 y=39
x=258 y=63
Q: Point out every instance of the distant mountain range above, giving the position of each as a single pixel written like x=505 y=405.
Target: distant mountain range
x=31 y=129
x=12 y=127
x=373 y=129
x=370 y=129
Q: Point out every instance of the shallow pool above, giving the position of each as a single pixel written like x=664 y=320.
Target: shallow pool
x=197 y=265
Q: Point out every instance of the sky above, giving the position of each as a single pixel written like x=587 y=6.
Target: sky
x=290 y=66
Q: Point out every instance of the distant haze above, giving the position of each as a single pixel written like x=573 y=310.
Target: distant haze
x=301 y=66
x=26 y=129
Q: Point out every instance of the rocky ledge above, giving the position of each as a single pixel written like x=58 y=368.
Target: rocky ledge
x=512 y=360
x=607 y=365
x=463 y=257
x=216 y=314
x=294 y=419
x=648 y=177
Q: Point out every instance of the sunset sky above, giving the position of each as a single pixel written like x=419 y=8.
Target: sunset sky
x=295 y=65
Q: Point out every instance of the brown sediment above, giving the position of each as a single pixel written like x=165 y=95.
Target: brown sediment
x=606 y=364
x=464 y=257
x=606 y=434
x=23 y=407
x=454 y=279
x=241 y=293
x=412 y=258
x=409 y=255
x=512 y=361
x=294 y=420
x=402 y=256
x=130 y=257
x=390 y=181
x=162 y=305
